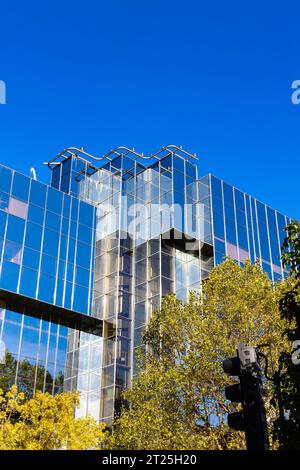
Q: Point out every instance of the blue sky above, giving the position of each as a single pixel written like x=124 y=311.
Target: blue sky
x=214 y=77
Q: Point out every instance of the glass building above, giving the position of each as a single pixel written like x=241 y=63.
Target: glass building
x=86 y=260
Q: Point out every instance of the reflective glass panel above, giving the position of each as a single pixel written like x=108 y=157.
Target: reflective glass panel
x=50 y=244
x=36 y=214
x=13 y=252
x=9 y=276
x=31 y=258
x=5 y=179
x=15 y=229
x=20 y=187
x=33 y=236
x=18 y=208
x=4 y=201
x=38 y=193
x=54 y=201
x=52 y=221
x=48 y=265
x=46 y=288
x=3 y=218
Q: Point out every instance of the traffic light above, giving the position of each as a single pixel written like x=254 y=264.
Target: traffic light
x=249 y=392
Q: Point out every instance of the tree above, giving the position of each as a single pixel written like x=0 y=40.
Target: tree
x=177 y=399
x=287 y=393
x=45 y=422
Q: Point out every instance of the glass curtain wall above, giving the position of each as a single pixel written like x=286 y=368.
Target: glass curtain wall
x=244 y=228
x=136 y=261
x=38 y=354
x=46 y=242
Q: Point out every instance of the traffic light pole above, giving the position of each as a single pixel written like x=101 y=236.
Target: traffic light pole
x=256 y=430
x=249 y=392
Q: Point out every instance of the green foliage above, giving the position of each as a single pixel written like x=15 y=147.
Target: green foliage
x=291 y=248
x=45 y=422
x=177 y=399
x=287 y=393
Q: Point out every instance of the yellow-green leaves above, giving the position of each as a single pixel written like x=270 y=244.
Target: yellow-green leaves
x=45 y=422
x=177 y=399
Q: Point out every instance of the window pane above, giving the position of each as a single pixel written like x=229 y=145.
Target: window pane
x=154 y=265
x=166 y=162
x=263 y=238
x=218 y=224
x=231 y=250
x=4 y=201
x=5 y=179
x=141 y=251
x=166 y=265
x=242 y=237
x=228 y=194
x=219 y=258
x=15 y=229
x=107 y=401
x=84 y=234
x=74 y=209
x=18 y=208
x=38 y=193
x=28 y=282
x=216 y=188
x=122 y=377
x=86 y=214
x=54 y=200
x=190 y=170
x=153 y=246
x=82 y=276
x=141 y=271
x=3 y=218
x=67 y=205
x=166 y=286
x=33 y=237
x=80 y=302
x=230 y=231
x=140 y=314
x=11 y=333
x=50 y=245
x=52 y=221
x=220 y=246
x=13 y=252
x=261 y=213
x=46 y=288
x=36 y=214
x=31 y=258
x=275 y=248
x=68 y=295
x=178 y=181
x=48 y=265
x=123 y=351
x=83 y=256
x=20 y=187
x=239 y=200
x=178 y=163
x=10 y=276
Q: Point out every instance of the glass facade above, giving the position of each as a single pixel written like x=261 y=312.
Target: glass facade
x=47 y=242
x=43 y=355
x=91 y=257
x=243 y=228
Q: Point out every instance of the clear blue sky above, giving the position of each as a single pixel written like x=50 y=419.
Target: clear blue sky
x=214 y=77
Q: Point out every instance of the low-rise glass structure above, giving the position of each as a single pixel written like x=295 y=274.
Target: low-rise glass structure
x=86 y=260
